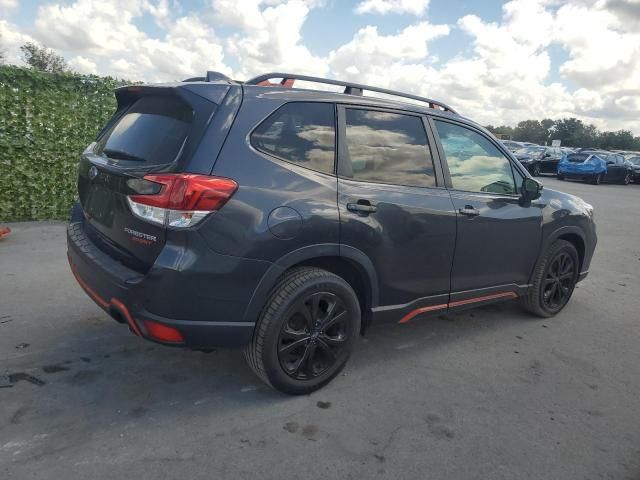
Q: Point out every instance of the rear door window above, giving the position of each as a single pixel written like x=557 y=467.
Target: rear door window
x=152 y=131
x=303 y=133
x=385 y=147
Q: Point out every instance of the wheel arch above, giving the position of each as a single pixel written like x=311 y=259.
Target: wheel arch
x=347 y=262
x=571 y=234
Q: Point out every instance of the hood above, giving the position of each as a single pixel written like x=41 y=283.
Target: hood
x=561 y=201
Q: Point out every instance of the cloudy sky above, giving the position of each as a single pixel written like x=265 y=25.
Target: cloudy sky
x=496 y=62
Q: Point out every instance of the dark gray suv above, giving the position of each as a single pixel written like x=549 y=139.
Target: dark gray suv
x=286 y=221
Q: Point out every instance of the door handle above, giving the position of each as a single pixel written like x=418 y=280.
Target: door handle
x=469 y=211
x=362 y=206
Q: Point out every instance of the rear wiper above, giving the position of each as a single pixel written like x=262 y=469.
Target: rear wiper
x=122 y=155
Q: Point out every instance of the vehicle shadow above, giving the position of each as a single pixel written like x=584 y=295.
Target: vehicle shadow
x=117 y=368
x=103 y=379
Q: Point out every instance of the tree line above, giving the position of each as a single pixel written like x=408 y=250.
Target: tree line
x=572 y=132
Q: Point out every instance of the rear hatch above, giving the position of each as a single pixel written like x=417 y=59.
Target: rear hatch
x=154 y=130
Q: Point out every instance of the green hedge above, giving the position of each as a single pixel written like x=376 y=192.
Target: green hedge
x=46 y=121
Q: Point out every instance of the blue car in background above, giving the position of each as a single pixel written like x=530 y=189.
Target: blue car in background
x=595 y=167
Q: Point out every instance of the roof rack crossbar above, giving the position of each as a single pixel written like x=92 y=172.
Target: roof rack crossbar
x=350 y=87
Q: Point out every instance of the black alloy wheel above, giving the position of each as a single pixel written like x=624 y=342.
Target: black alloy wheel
x=597 y=180
x=627 y=179
x=558 y=281
x=554 y=280
x=306 y=332
x=313 y=336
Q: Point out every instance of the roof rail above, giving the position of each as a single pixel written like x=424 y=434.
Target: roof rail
x=350 y=87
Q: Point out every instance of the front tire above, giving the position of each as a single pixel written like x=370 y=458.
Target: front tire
x=560 y=177
x=554 y=280
x=306 y=331
x=597 y=180
x=627 y=179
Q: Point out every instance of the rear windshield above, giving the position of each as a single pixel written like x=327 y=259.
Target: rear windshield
x=578 y=157
x=151 y=132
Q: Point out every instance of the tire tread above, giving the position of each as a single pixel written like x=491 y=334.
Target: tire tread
x=286 y=286
x=531 y=301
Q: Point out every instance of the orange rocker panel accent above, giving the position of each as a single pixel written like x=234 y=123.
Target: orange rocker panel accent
x=459 y=303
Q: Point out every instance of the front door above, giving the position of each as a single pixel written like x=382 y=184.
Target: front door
x=394 y=208
x=616 y=168
x=498 y=239
x=550 y=160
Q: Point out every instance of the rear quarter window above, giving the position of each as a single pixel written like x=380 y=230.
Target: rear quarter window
x=303 y=133
x=152 y=131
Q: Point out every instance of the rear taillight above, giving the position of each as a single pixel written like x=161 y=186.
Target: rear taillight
x=182 y=199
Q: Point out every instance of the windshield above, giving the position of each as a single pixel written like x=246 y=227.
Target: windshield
x=635 y=160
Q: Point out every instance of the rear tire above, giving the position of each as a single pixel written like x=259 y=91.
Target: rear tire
x=306 y=331
x=554 y=280
x=560 y=177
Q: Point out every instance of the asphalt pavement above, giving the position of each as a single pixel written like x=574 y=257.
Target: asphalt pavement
x=491 y=393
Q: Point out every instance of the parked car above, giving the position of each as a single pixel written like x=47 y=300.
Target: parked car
x=512 y=145
x=539 y=160
x=218 y=213
x=596 y=166
x=635 y=165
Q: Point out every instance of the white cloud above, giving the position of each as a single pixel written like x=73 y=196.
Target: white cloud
x=8 y=4
x=370 y=56
x=11 y=38
x=118 y=47
x=82 y=64
x=383 y=7
x=503 y=77
x=269 y=37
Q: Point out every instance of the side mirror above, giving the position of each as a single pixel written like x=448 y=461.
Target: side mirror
x=531 y=190
x=546 y=155
x=609 y=162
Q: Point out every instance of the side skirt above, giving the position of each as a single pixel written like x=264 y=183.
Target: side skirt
x=439 y=304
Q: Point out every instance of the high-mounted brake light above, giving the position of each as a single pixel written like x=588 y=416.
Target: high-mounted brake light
x=183 y=199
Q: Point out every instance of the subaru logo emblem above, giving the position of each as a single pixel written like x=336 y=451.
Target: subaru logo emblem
x=93 y=173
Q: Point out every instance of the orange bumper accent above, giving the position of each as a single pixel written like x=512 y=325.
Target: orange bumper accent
x=114 y=303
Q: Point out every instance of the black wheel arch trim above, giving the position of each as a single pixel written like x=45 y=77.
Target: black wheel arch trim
x=310 y=252
x=555 y=235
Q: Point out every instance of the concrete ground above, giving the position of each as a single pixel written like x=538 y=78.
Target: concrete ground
x=490 y=393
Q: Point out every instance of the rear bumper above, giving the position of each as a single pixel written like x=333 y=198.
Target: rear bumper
x=186 y=290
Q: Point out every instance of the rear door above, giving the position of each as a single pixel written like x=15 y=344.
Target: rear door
x=394 y=207
x=498 y=239
x=149 y=133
